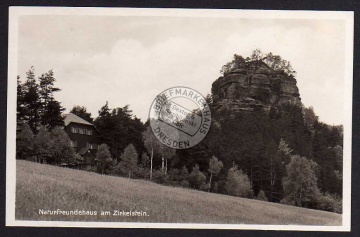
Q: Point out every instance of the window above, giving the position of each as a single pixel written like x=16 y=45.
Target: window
x=73 y=143
x=91 y=146
x=88 y=132
x=74 y=130
x=81 y=131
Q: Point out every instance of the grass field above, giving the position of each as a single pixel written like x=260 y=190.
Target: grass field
x=47 y=187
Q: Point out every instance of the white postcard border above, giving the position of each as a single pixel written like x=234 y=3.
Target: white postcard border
x=16 y=12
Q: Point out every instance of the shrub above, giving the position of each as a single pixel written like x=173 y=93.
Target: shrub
x=184 y=173
x=140 y=173
x=329 y=202
x=196 y=178
x=287 y=201
x=159 y=176
x=24 y=143
x=261 y=196
x=185 y=183
x=174 y=175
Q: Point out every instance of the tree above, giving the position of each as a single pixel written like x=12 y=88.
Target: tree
x=284 y=148
x=152 y=145
x=118 y=128
x=129 y=160
x=103 y=158
x=300 y=184
x=47 y=147
x=144 y=160
x=236 y=63
x=36 y=104
x=43 y=146
x=31 y=104
x=184 y=173
x=214 y=168
x=24 y=142
x=277 y=167
x=256 y=55
x=46 y=87
x=82 y=113
x=196 y=177
x=310 y=117
x=275 y=62
x=166 y=153
x=238 y=183
x=20 y=103
x=50 y=109
x=52 y=117
x=338 y=150
x=62 y=151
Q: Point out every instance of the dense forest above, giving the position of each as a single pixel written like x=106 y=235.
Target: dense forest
x=284 y=154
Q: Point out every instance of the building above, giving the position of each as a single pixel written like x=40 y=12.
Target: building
x=84 y=139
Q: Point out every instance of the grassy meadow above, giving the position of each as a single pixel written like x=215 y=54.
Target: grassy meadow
x=46 y=187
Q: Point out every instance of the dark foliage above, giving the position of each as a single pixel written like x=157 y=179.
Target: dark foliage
x=36 y=104
x=118 y=128
x=261 y=143
x=82 y=113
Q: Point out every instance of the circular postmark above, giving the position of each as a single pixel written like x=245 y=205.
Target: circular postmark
x=180 y=117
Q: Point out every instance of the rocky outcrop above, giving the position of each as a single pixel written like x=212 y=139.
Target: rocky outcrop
x=254 y=86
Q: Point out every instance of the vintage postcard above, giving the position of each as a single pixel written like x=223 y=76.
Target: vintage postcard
x=179 y=118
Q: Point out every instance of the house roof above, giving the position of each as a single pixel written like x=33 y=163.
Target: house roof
x=72 y=118
x=85 y=150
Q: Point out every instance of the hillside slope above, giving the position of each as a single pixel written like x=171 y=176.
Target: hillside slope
x=44 y=187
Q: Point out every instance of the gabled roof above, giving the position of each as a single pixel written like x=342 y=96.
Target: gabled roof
x=72 y=118
x=84 y=151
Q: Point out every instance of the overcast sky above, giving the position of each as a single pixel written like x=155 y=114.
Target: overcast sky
x=129 y=60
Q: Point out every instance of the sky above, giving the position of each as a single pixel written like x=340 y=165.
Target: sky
x=130 y=59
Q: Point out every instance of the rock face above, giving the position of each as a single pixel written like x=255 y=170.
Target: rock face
x=254 y=86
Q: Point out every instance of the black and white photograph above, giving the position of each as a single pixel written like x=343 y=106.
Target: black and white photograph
x=179 y=118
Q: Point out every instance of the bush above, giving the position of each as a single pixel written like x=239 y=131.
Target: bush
x=159 y=177
x=329 y=202
x=185 y=183
x=174 y=175
x=25 y=143
x=204 y=187
x=196 y=178
x=238 y=184
x=287 y=201
x=184 y=173
x=261 y=196
x=141 y=173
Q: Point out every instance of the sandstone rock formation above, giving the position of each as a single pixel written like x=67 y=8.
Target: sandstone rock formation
x=254 y=86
